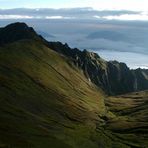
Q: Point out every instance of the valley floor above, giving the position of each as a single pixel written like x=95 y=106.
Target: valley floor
x=128 y=118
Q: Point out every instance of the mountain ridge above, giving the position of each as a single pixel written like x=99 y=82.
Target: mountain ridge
x=113 y=77
x=107 y=75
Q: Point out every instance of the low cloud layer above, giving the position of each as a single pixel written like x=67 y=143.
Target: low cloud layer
x=122 y=32
x=73 y=13
x=15 y=17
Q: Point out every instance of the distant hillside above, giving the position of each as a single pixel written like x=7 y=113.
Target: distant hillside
x=109 y=35
x=48 y=98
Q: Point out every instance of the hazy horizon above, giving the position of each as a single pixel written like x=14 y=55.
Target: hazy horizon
x=114 y=30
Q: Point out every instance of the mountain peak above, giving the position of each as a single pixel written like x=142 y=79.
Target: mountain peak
x=17 y=31
x=20 y=25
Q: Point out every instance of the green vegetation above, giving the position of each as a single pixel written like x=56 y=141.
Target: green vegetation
x=130 y=122
x=45 y=101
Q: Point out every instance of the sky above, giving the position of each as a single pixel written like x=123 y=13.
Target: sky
x=135 y=5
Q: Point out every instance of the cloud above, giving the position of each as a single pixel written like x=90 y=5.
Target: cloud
x=58 y=17
x=128 y=17
x=96 y=4
x=71 y=13
x=15 y=17
x=32 y=17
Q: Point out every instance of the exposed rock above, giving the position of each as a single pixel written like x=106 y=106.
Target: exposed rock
x=113 y=77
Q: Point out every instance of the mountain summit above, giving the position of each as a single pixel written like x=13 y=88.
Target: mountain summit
x=17 y=31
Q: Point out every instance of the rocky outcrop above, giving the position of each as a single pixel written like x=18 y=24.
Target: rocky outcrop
x=113 y=77
x=140 y=79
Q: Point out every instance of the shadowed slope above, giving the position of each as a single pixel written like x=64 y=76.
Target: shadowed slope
x=43 y=98
x=47 y=102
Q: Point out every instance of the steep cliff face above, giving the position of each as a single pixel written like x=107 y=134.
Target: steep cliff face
x=113 y=77
x=119 y=77
x=140 y=79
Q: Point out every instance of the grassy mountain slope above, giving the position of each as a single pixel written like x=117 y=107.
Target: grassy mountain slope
x=46 y=101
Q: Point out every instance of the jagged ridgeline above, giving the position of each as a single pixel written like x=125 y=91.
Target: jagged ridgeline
x=113 y=77
x=58 y=97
